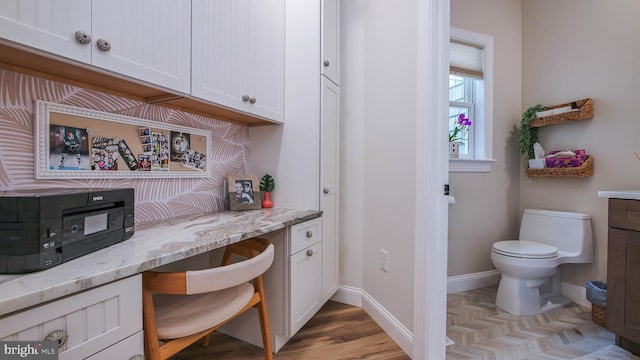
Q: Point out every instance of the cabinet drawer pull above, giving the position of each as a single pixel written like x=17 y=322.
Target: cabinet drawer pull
x=309 y=252
x=245 y=98
x=309 y=234
x=103 y=45
x=59 y=336
x=325 y=190
x=326 y=63
x=82 y=37
x=252 y=100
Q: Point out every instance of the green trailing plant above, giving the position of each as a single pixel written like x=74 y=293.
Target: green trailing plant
x=267 y=183
x=528 y=135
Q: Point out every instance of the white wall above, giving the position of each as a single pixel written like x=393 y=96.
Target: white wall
x=486 y=208
x=575 y=49
x=352 y=117
x=379 y=111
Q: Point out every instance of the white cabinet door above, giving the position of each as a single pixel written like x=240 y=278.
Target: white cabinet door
x=150 y=40
x=48 y=26
x=305 y=267
x=238 y=55
x=331 y=40
x=93 y=320
x=330 y=182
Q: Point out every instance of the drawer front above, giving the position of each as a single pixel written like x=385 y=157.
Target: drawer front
x=306 y=286
x=125 y=349
x=624 y=214
x=304 y=235
x=93 y=320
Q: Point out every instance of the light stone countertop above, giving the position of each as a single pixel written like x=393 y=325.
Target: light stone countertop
x=153 y=244
x=620 y=194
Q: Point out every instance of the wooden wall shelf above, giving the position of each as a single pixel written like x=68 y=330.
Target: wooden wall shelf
x=584 y=170
x=584 y=112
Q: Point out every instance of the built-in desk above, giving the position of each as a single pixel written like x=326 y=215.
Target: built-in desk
x=152 y=245
x=95 y=300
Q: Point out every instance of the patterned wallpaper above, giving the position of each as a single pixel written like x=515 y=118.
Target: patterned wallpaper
x=156 y=199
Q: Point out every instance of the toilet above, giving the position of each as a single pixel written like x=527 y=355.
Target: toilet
x=530 y=282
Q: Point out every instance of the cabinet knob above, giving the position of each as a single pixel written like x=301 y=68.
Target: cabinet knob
x=309 y=234
x=103 y=45
x=252 y=100
x=309 y=252
x=245 y=98
x=325 y=190
x=326 y=63
x=82 y=37
x=59 y=336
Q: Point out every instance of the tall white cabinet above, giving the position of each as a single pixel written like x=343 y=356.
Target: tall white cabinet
x=330 y=147
x=330 y=57
x=330 y=182
x=147 y=40
x=238 y=55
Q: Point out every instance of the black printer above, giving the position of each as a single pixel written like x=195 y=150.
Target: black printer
x=46 y=227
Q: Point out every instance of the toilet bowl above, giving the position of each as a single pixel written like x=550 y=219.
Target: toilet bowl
x=530 y=281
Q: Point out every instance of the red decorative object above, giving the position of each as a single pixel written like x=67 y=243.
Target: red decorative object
x=267 y=203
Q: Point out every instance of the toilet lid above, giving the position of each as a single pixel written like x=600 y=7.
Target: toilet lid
x=525 y=249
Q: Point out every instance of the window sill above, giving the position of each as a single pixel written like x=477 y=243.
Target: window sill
x=471 y=165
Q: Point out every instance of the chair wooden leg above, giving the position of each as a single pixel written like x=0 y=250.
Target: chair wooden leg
x=151 y=346
x=205 y=341
x=264 y=320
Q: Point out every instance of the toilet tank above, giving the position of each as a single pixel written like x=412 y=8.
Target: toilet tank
x=570 y=232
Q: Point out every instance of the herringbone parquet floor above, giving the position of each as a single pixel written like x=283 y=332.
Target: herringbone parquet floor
x=478 y=328
x=481 y=331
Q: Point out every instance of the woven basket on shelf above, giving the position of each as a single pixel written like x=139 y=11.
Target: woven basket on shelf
x=584 y=170
x=599 y=315
x=584 y=112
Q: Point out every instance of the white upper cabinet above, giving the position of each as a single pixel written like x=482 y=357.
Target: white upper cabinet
x=147 y=40
x=330 y=66
x=48 y=25
x=238 y=55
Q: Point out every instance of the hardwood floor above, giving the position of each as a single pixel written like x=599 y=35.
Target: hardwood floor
x=478 y=328
x=337 y=331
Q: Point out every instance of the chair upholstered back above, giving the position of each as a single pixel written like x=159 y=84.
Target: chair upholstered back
x=224 y=277
x=181 y=308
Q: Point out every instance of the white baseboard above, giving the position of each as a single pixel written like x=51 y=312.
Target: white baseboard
x=472 y=281
x=575 y=293
x=402 y=336
x=394 y=328
x=348 y=295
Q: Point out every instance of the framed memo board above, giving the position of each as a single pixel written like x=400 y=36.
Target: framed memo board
x=77 y=143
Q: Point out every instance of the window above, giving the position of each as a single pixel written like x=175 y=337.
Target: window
x=471 y=94
x=462 y=101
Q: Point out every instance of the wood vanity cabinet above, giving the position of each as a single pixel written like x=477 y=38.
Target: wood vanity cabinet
x=623 y=270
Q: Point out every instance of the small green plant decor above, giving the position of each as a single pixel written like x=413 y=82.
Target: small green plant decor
x=528 y=135
x=267 y=183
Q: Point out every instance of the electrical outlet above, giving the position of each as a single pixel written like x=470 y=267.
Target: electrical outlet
x=384 y=260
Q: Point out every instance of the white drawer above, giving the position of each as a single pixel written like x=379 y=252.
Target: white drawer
x=305 y=234
x=93 y=320
x=126 y=349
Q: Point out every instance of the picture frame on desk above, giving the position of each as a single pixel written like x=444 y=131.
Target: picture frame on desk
x=244 y=192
